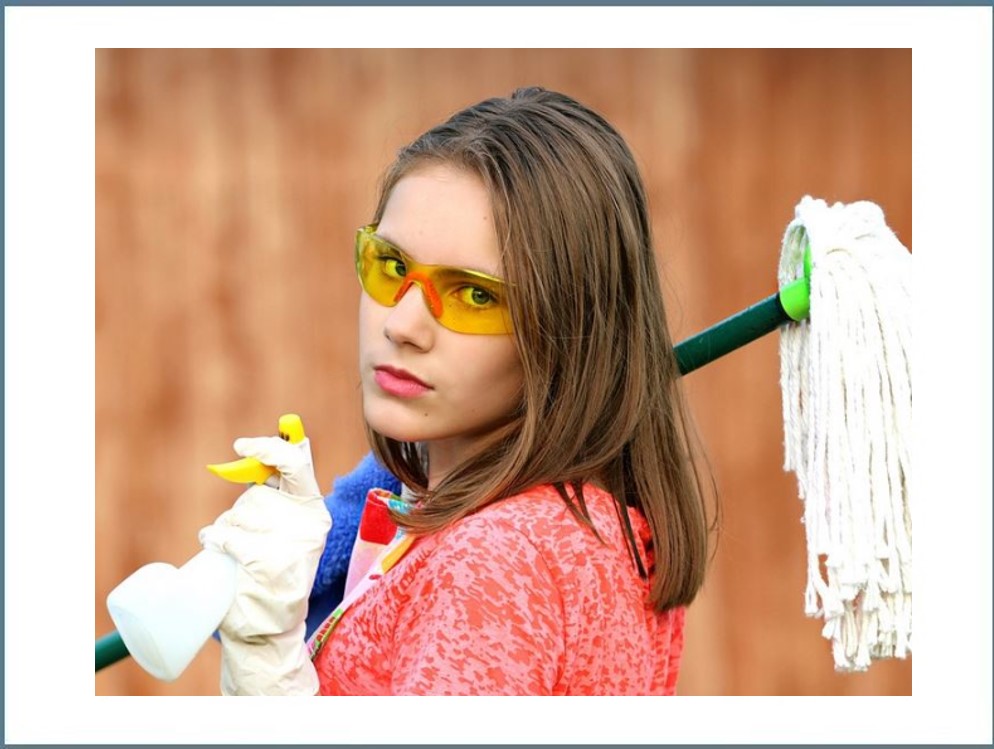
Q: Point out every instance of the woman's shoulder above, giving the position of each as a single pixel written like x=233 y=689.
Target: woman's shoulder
x=541 y=507
x=511 y=538
x=540 y=518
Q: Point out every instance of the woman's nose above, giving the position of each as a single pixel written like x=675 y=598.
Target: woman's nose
x=410 y=320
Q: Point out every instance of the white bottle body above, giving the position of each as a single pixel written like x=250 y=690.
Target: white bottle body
x=165 y=615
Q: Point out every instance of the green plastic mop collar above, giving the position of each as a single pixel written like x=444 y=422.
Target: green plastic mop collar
x=795 y=298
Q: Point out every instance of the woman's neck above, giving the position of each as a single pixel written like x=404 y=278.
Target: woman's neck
x=445 y=454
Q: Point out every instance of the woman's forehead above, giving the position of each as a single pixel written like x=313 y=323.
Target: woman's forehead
x=440 y=215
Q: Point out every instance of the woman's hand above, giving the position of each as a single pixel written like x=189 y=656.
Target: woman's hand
x=277 y=536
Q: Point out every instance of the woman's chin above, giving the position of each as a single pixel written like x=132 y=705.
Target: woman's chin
x=395 y=422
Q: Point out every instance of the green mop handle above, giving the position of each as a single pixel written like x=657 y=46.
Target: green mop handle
x=110 y=649
x=790 y=303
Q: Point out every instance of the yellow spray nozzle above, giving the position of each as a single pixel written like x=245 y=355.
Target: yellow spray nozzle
x=250 y=470
x=291 y=428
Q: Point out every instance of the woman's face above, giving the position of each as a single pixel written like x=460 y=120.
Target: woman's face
x=422 y=382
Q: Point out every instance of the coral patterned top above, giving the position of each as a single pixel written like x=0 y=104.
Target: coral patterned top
x=519 y=599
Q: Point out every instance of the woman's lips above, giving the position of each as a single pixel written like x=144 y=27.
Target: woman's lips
x=400 y=383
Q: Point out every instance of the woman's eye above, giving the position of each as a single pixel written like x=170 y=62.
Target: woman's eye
x=476 y=297
x=394 y=267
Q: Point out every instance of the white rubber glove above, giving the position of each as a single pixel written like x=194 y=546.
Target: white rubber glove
x=277 y=536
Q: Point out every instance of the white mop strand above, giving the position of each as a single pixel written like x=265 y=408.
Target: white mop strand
x=845 y=373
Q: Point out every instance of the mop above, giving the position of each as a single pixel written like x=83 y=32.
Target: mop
x=846 y=384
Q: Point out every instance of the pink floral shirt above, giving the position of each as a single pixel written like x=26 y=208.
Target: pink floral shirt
x=519 y=599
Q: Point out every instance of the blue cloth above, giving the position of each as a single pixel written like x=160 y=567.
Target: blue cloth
x=345 y=504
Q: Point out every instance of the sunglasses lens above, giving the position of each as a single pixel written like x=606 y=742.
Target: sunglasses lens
x=462 y=301
x=381 y=272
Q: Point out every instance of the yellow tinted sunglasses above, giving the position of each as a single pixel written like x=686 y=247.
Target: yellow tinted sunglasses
x=465 y=301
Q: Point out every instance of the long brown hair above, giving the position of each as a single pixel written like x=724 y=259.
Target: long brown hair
x=601 y=400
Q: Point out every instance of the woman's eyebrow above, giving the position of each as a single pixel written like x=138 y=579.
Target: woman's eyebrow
x=393 y=245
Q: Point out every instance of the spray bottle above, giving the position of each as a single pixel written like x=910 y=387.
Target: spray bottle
x=164 y=615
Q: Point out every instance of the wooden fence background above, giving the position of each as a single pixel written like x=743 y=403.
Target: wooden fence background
x=228 y=185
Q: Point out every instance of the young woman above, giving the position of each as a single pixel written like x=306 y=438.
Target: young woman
x=519 y=379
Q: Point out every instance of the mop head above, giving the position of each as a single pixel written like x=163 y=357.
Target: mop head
x=846 y=382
